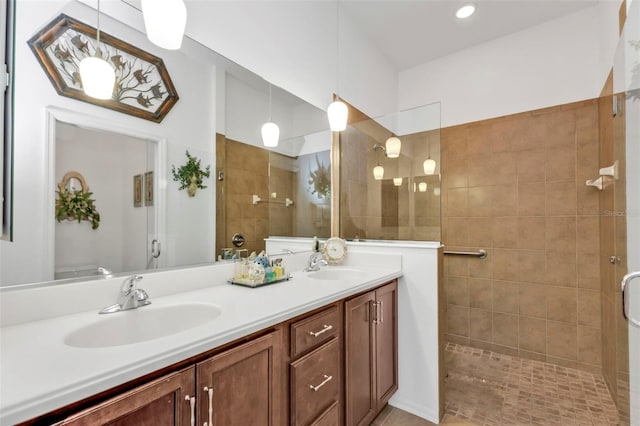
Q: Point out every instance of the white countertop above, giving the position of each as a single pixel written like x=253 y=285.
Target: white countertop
x=39 y=373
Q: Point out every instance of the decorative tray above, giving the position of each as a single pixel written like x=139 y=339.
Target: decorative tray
x=249 y=283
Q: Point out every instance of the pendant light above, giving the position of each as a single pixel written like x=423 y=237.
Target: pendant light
x=429 y=165
x=393 y=145
x=378 y=172
x=164 y=22
x=397 y=181
x=97 y=76
x=270 y=130
x=422 y=186
x=337 y=112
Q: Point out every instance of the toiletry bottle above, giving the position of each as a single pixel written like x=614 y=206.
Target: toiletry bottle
x=269 y=274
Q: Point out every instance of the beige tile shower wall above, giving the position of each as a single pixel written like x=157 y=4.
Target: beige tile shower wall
x=515 y=186
x=246 y=170
x=246 y=173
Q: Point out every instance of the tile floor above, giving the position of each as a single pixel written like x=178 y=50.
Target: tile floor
x=493 y=389
x=486 y=388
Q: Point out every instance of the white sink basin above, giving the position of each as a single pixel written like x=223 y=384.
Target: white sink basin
x=142 y=324
x=336 y=274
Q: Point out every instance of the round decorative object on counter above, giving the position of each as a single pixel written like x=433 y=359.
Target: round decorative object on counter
x=335 y=250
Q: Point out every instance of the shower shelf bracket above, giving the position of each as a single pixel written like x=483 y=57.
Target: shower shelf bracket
x=596 y=183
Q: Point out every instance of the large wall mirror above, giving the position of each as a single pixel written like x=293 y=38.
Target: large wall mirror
x=390 y=176
x=217 y=119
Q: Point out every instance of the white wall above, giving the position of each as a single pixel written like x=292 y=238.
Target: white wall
x=561 y=61
x=108 y=163
x=293 y=45
x=189 y=125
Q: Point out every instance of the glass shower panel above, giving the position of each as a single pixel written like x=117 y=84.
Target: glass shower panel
x=626 y=199
x=384 y=197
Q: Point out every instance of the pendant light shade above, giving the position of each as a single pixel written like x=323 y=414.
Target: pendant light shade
x=429 y=166
x=270 y=134
x=338 y=114
x=165 y=21
x=436 y=191
x=378 y=172
x=98 y=77
x=393 y=146
x=397 y=181
x=422 y=187
x=270 y=130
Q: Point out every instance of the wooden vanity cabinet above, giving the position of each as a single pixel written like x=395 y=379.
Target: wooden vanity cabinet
x=241 y=386
x=165 y=401
x=371 y=348
x=333 y=366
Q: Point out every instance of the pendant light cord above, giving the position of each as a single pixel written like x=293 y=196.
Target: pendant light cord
x=337 y=49
x=98 y=33
x=270 y=102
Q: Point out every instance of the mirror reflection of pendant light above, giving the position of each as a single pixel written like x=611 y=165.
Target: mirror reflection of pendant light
x=165 y=21
x=436 y=191
x=270 y=130
x=98 y=77
x=422 y=187
x=397 y=181
x=378 y=172
x=393 y=145
x=429 y=165
x=337 y=112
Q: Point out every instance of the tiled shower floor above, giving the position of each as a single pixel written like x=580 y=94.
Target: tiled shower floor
x=487 y=388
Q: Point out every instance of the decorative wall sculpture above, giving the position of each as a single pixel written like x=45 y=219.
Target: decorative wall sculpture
x=143 y=87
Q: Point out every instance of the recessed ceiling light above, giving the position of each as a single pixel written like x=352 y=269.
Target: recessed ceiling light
x=465 y=11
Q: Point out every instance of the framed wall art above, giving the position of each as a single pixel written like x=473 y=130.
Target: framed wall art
x=137 y=191
x=143 y=87
x=148 y=189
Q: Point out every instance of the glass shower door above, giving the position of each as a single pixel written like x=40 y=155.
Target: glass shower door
x=627 y=72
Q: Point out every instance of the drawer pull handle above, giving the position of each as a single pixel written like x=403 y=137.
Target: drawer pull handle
x=192 y=403
x=325 y=328
x=324 y=382
x=210 y=392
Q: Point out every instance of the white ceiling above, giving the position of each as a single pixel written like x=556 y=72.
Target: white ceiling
x=414 y=32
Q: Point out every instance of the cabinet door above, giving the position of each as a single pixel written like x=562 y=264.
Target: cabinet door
x=360 y=401
x=386 y=320
x=242 y=386
x=161 y=402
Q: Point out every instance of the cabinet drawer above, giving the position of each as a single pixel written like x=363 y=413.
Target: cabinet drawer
x=311 y=332
x=331 y=416
x=315 y=383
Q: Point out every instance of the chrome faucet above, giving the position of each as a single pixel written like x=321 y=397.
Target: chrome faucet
x=130 y=297
x=315 y=261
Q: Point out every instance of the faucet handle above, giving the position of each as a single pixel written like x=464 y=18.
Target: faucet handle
x=131 y=283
